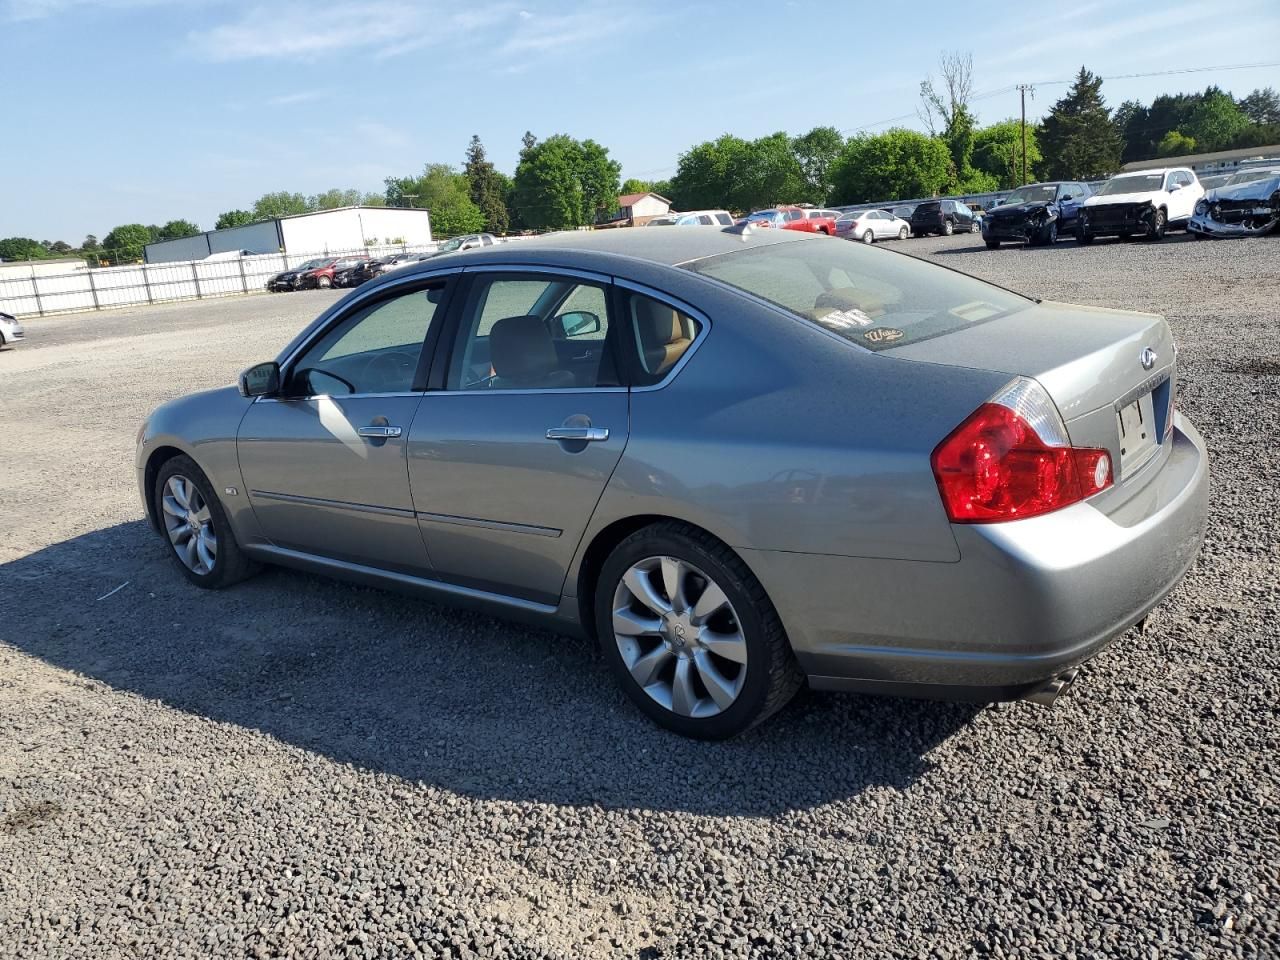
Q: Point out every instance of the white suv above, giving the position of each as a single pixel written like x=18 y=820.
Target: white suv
x=1142 y=203
x=693 y=218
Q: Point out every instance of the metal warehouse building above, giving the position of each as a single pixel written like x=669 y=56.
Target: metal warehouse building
x=326 y=231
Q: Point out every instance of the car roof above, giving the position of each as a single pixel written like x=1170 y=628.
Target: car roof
x=593 y=249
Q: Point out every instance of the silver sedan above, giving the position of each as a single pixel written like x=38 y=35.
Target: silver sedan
x=742 y=460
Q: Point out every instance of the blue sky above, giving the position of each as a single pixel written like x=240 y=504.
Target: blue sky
x=122 y=111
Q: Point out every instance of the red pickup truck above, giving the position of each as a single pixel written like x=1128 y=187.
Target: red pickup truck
x=806 y=219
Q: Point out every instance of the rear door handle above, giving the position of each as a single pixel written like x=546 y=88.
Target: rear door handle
x=578 y=433
x=379 y=433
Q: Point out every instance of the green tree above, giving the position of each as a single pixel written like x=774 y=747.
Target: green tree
x=442 y=191
x=488 y=191
x=895 y=165
x=90 y=243
x=176 y=230
x=1175 y=144
x=233 y=218
x=997 y=152
x=773 y=174
x=373 y=200
x=280 y=204
x=707 y=174
x=1215 y=121
x=333 y=198
x=816 y=152
x=126 y=242
x=60 y=247
x=633 y=185
x=1077 y=138
x=21 y=248
x=1262 y=106
x=562 y=182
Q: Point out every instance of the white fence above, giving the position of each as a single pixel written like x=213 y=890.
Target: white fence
x=102 y=288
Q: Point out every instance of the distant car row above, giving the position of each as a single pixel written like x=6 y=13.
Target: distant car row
x=351 y=271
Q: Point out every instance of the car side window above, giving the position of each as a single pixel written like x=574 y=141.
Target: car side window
x=724 y=219
x=657 y=335
x=705 y=220
x=544 y=333
x=795 y=214
x=374 y=350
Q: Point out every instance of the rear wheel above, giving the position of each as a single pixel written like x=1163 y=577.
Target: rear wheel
x=902 y=233
x=691 y=635
x=948 y=228
x=868 y=236
x=200 y=538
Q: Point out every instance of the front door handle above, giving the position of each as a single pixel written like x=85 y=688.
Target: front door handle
x=379 y=432
x=578 y=433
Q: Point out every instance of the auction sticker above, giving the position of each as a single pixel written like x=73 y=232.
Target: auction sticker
x=883 y=335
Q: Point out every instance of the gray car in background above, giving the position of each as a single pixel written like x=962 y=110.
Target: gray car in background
x=741 y=459
x=11 y=330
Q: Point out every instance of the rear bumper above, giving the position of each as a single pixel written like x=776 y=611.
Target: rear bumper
x=1026 y=601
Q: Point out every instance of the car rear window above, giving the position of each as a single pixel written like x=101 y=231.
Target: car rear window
x=932 y=206
x=874 y=298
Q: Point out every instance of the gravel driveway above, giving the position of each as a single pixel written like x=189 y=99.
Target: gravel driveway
x=298 y=767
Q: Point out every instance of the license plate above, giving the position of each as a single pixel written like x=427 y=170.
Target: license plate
x=1137 y=434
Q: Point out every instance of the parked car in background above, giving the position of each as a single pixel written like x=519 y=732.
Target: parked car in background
x=903 y=211
x=949 y=502
x=774 y=219
x=693 y=218
x=868 y=226
x=289 y=279
x=381 y=265
x=471 y=241
x=1247 y=205
x=944 y=217
x=352 y=275
x=1145 y=203
x=11 y=330
x=1036 y=214
x=321 y=277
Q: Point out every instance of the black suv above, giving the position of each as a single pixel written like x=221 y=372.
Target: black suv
x=942 y=216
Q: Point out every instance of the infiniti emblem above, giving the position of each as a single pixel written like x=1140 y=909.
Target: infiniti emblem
x=1147 y=358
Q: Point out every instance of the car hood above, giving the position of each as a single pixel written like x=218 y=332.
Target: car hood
x=1018 y=209
x=1254 y=190
x=1098 y=200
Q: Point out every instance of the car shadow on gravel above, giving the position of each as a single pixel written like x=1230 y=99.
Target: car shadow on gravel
x=448 y=698
x=979 y=246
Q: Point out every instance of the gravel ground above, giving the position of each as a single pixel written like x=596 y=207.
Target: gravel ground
x=298 y=767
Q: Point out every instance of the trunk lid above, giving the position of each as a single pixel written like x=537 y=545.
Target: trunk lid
x=1091 y=360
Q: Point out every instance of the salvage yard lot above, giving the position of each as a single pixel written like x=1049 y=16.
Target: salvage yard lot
x=302 y=767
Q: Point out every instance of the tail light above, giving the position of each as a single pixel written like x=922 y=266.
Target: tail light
x=1012 y=459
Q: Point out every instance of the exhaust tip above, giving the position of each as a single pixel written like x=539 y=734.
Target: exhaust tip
x=1048 y=692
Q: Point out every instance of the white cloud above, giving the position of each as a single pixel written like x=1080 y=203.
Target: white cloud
x=20 y=10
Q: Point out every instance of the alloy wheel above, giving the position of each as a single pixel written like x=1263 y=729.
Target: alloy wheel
x=189 y=525
x=868 y=236
x=679 y=637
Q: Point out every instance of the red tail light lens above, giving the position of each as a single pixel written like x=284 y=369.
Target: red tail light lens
x=996 y=467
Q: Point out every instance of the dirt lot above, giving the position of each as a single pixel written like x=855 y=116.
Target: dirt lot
x=300 y=767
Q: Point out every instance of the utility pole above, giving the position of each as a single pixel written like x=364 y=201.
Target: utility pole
x=1022 y=89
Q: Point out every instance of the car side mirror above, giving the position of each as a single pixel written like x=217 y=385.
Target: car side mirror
x=260 y=380
x=579 y=323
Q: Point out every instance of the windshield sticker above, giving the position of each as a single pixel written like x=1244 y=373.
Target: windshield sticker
x=883 y=335
x=975 y=311
x=845 y=319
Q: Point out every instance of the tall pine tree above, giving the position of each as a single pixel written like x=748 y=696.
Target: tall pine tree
x=1077 y=138
x=488 y=192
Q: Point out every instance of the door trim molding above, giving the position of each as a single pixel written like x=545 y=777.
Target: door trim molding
x=502 y=525
x=337 y=504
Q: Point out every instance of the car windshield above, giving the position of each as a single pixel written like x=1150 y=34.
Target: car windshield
x=1134 y=183
x=1032 y=194
x=453 y=244
x=313 y=264
x=1248 y=176
x=872 y=298
x=762 y=215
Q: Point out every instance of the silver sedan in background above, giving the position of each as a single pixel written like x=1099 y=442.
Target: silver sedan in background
x=11 y=330
x=743 y=460
x=868 y=226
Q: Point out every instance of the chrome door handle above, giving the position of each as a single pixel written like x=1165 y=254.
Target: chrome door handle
x=379 y=433
x=578 y=433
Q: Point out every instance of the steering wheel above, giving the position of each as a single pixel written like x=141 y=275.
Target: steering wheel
x=389 y=367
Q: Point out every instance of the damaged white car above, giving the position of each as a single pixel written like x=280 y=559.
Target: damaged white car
x=1247 y=205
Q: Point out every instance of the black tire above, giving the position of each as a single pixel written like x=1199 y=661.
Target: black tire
x=993 y=244
x=1159 y=223
x=230 y=564
x=323 y=283
x=1084 y=239
x=772 y=677
x=973 y=227
x=1050 y=234
x=903 y=232
x=948 y=228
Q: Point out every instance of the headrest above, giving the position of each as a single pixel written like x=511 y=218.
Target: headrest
x=521 y=347
x=657 y=323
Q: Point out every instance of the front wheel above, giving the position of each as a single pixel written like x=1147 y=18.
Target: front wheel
x=200 y=538
x=902 y=233
x=691 y=635
x=1049 y=236
x=948 y=228
x=993 y=244
x=973 y=226
x=324 y=283
x=1084 y=239
x=1158 y=224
